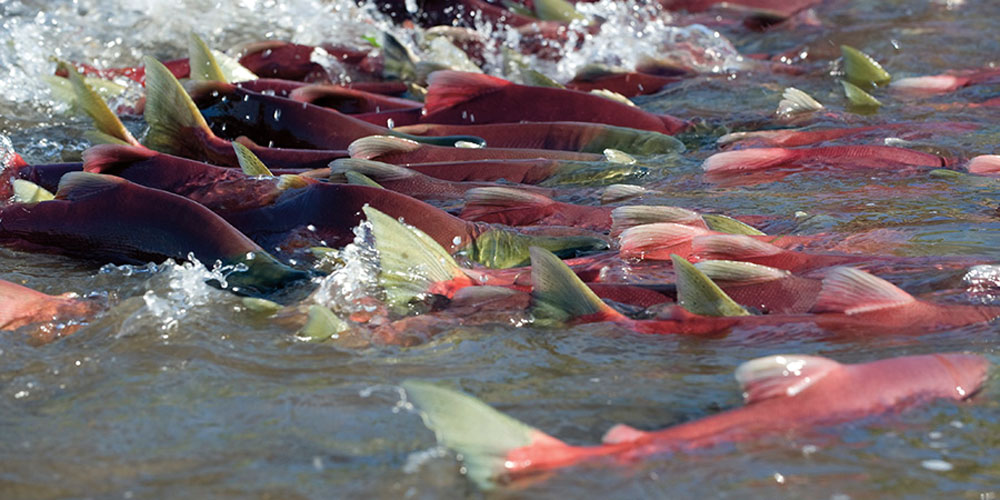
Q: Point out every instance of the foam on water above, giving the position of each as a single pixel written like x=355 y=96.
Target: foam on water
x=356 y=279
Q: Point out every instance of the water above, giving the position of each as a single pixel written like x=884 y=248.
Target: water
x=179 y=390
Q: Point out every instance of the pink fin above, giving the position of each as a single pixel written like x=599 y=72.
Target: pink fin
x=448 y=88
x=934 y=84
x=781 y=375
x=622 y=433
x=657 y=241
x=76 y=186
x=731 y=247
x=748 y=159
x=851 y=291
x=107 y=158
x=984 y=164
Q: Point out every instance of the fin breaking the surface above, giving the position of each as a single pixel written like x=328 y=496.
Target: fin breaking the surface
x=781 y=375
x=697 y=293
x=852 y=291
x=557 y=286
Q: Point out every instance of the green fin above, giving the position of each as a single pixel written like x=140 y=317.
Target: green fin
x=556 y=10
x=729 y=225
x=91 y=103
x=616 y=156
x=231 y=68
x=699 y=295
x=262 y=306
x=29 y=193
x=170 y=112
x=555 y=285
x=858 y=97
x=400 y=61
x=411 y=261
x=518 y=8
x=862 y=70
x=480 y=434
x=504 y=248
x=249 y=163
x=321 y=325
x=98 y=137
x=75 y=186
x=202 y=62
x=538 y=79
x=613 y=96
x=359 y=179
x=292 y=181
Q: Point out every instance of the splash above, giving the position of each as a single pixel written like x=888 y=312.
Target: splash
x=357 y=277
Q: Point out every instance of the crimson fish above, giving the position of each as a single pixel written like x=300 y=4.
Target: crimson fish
x=529 y=171
x=470 y=98
x=628 y=84
x=107 y=218
x=766 y=289
x=21 y=306
x=562 y=135
x=350 y=100
x=946 y=82
x=283 y=88
x=788 y=138
x=783 y=393
x=855 y=156
x=398 y=150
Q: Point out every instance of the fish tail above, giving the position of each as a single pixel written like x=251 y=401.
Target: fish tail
x=556 y=287
x=109 y=128
x=202 y=62
x=113 y=158
x=249 y=163
x=176 y=126
x=484 y=437
x=400 y=61
x=500 y=204
x=413 y=265
x=657 y=241
x=748 y=159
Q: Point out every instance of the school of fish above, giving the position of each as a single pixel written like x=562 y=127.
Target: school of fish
x=489 y=198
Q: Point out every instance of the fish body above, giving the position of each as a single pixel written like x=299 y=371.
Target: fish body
x=397 y=150
x=470 y=98
x=845 y=157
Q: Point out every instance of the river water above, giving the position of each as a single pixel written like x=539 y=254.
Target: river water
x=177 y=390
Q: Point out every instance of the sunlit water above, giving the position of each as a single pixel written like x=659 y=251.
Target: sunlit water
x=178 y=390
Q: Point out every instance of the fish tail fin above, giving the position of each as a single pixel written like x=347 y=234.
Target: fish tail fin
x=374 y=146
x=496 y=204
x=851 y=291
x=697 y=293
x=482 y=435
x=556 y=286
x=202 y=62
x=657 y=241
x=413 y=265
x=623 y=218
x=729 y=225
x=105 y=121
x=174 y=119
x=748 y=159
x=400 y=61
x=112 y=158
x=249 y=163
x=448 y=88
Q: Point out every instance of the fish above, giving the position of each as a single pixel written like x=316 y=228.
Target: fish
x=350 y=101
x=102 y=217
x=843 y=157
x=661 y=240
x=21 y=306
x=542 y=171
x=398 y=150
x=469 y=98
x=782 y=393
x=562 y=135
x=788 y=138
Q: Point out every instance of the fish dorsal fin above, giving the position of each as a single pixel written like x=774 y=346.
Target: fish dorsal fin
x=76 y=186
x=623 y=218
x=490 y=200
x=202 y=61
x=359 y=179
x=731 y=247
x=104 y=119
x=655 y=241
x=169 y=111
x=536 y=78
x=249 y=163
x=622 y=433
x=613 y=96
x=697 y=293
x=399 y=61
x=29 y=193
x=449 y=88
x=556 y=285
x=781 y=375
x=619 y=192
x=851 y=291
x=378 y=171
x=556 y=10
x=726 y=224
x=617 y=156
x=371 y=147
x=747 y=159
x=411 y=261
x=862 y=69
x=740 y=273
x=231 y=68
x=112 y=158
x=321 y=325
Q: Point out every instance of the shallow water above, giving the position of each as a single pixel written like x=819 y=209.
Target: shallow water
x=178 y=390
